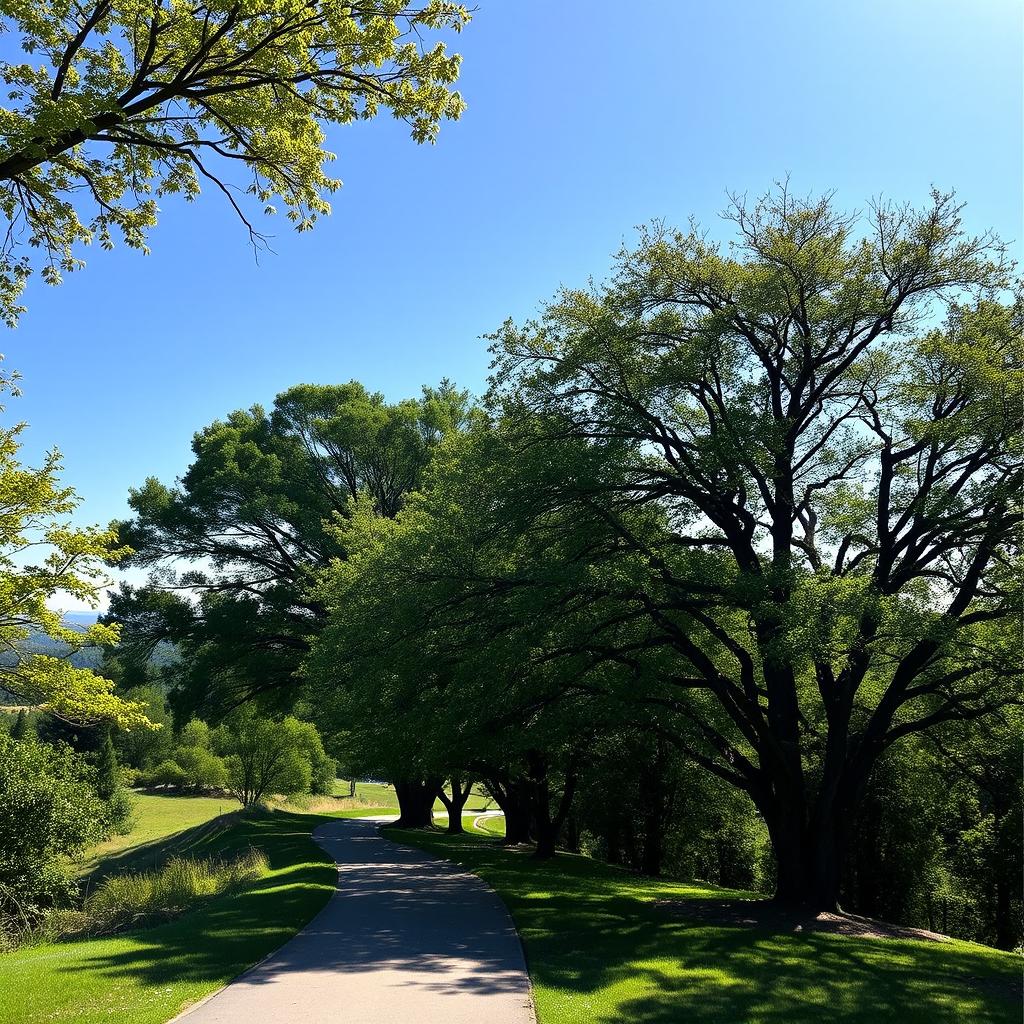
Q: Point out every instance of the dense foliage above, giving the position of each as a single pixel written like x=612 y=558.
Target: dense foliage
x=255 y=516
x=49 y=810
x=69 y=561
x=761 y=506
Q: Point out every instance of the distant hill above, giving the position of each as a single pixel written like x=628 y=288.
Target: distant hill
x=88 y=657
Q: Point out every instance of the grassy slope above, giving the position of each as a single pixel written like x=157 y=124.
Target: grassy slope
x=600 y=952
x=155 y=818
x=149 y=976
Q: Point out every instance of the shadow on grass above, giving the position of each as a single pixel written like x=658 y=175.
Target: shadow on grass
x=218 y=939
x=594 y=937
x=156 y=853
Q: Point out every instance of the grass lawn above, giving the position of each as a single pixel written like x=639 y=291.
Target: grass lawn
x=381 y=794
x=157 y=817
x=147 y=977
x=494 y=826
x=600 y=952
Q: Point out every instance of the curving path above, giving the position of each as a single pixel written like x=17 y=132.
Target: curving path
x=405 y=939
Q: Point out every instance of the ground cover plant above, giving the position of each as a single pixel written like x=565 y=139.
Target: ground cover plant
x=599 y=950
x=147 y=976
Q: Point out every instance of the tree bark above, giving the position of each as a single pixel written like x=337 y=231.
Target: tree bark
x=654 y=797
x=416 y=802
x=548 y=826
x=455 y=803
x=513 y=797
x=809 y=857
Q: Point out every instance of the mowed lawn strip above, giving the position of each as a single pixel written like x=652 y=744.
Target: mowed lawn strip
x=148 y=976
x=599 y=951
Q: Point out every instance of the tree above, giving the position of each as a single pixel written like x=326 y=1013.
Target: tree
x=20 y=729
x=107 y=779
x=143 y=748
x=256 y=513
x=810 y=488
x=34 y=516
x=265 y=757
x=117 y=104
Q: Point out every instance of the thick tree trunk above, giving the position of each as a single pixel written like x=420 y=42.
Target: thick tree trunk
x=1006 y=937
x=455 y=803
x=809 y=861
x=548 y=825
x=416 y=802
x=513 y=797
x=654 y=798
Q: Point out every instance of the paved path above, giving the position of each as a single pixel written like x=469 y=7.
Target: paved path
x=405 y=939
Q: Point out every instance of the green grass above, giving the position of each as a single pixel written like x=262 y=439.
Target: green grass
x=156 y=819
x=146 y=977
x=383 y=795
x=492 y=826
x=599 y=951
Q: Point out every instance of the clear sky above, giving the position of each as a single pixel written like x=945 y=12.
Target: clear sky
x=584 y=120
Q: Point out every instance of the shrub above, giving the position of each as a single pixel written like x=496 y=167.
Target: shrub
x=49 y=811
x=121 y=809
x=202 y=769
x=166 y=773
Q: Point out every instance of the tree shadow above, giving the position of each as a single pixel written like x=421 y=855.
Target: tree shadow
x=221 y=937
x=594 y=937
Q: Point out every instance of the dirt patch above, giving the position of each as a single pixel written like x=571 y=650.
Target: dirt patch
x=765 y=914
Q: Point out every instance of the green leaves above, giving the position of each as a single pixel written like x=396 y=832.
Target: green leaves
x=33 y=510
x=128 y=101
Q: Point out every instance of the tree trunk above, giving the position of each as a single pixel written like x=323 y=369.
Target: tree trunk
x=416 y=802
x=809 y=858
x=1005 y=932
x=548 y=826
x=351 y=787
x=454 y=804
x=654 y=802
x=513 y=797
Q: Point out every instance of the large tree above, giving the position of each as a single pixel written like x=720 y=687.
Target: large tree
x=252 y=521
x=115 y=103
x=810 y=443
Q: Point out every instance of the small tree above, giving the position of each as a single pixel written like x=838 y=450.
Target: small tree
x=20 y=729
x=263 y=757
x=107 y=780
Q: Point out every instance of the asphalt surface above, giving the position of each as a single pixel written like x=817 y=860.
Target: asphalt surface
x=405 y=939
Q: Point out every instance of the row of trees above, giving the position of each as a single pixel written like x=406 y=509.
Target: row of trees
x=733 y=538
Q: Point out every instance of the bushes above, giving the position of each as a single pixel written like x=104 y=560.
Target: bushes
x=167 y=773
x=250 y=756
x=49 y=811
x=264 y=757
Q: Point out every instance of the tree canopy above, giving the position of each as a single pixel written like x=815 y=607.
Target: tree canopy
x=115 y=103
x=33 y=519
x=256 y=515
x=768 y=496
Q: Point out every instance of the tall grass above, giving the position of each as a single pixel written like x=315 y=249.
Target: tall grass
x=137 y=899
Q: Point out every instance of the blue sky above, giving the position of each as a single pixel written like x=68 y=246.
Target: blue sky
x=584 y=120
